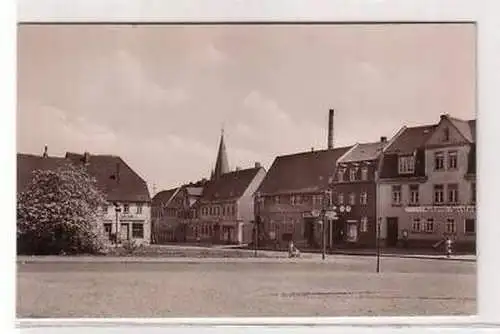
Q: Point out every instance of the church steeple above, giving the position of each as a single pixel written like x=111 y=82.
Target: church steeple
x=221 y=165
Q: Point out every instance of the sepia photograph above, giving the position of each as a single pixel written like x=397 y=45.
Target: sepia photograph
x=246 y=170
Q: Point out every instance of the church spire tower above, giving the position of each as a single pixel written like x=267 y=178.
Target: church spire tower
x=221 y=165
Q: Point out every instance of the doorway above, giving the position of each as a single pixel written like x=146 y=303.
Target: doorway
x=392 y=231
x=124 y=235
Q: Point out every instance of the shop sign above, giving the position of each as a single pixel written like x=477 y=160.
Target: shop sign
x=441 y=209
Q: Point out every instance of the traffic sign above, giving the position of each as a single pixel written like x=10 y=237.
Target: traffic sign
x=330 y=214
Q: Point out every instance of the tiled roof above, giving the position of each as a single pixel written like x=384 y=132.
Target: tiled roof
x=229 y=185
x=28 y=163
x=115 y=178
x=364 y=152
x=302 y=172
x=411 y=139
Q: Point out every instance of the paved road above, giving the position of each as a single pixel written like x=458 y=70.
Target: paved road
x=178 y=287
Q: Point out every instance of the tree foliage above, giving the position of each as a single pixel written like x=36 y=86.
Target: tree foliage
x=59 y=212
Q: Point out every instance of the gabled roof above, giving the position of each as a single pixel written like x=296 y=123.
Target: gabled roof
x=229 y=185
x=164 y=196
x=114 y=177
x=465 y=128
x=410 y=139
x=363 y=152
x=302 y=172
x=28 y=163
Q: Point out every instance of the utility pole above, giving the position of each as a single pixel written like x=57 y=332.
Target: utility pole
x=378 y=243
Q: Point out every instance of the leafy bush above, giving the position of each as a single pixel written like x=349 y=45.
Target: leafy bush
x=58 y=213
x=130 y=247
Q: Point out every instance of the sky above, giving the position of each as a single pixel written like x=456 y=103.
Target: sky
x=159 y=95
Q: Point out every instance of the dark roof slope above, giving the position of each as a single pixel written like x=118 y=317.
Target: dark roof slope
x=28 y=163
x=229 y=185
x=464 y=127
x=114 y=177
x=411 y=139
x=302 y=172
x=471 y=168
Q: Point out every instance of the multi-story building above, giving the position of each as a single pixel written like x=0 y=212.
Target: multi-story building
x=122 y=186
x=125 y=190
x=225 y=210
x=354 y=192
x=292 y=196
x=427 y=185
x=170 y=210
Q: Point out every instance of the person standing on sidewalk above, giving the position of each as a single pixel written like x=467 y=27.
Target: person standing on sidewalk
x=448 y=245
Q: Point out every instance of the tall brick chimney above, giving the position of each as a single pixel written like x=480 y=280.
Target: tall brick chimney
x=45 y=152
x=330 y=129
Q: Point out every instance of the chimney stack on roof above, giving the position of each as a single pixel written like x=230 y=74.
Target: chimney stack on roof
x=444 y=116
x=45 y=153
x=383 y=139
x=257 y=164
x=330 y=129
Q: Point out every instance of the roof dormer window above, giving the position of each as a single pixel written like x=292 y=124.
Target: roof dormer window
x=406 y=164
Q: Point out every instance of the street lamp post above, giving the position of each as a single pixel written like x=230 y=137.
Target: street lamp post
x=378 y=243
x=117 y=211
x=257 y=223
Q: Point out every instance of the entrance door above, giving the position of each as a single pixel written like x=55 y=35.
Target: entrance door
x=124 y=232
x=309 y=232
x=392 y=231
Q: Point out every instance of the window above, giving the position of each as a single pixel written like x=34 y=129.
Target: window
x=276 y=200
x=340 y=198
x=406 y=164
x=363 y=198
x=352 y=174
x=139 y=208
x=352 y=232
x=233 y=208
x=137 y=230
x=453 y=193
x=340 y=175
x=452 y=160
x=364 y=224
x=396 y=195
x=107 y=230
x=450 y=226
x=292 y=200
x=429 y=225
x=470 y=226
x=473 y=192
x=438 y=161
x=446 y=134
x=364 y=173
x=415 y=226
x=414 y=194
x=352 y=198
x=126 y=208
x=438 y=194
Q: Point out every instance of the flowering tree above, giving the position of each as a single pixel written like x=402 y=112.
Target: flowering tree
x=59 y=213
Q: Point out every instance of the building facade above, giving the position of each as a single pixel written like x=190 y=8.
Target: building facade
x=224 y=214
x=427 y=185
x=172 y=209
x=123 y=187
x=292 y=197
x=127 y=217
x=354 y=194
